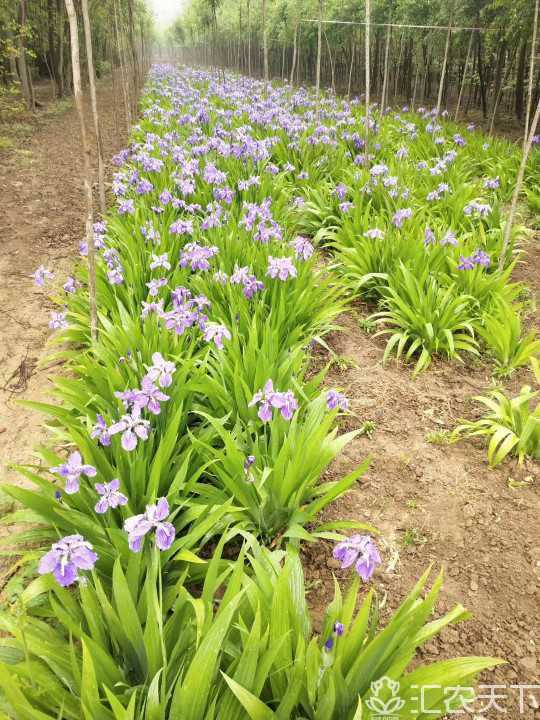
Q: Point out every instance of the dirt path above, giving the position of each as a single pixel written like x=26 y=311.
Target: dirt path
x=440 y=503
x=42 y=209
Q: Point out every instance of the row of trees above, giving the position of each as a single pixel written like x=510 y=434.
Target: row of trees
x=35 y=44
x=489 y=67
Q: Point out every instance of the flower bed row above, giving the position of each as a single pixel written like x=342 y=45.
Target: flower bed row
x=190 y=440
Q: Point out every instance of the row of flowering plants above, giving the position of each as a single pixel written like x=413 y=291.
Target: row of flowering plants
x=419 y=215
x=190 y=444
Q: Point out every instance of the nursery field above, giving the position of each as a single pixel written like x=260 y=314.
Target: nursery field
x=314 y=386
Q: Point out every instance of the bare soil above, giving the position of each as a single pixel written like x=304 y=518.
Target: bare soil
x=42 y=224
x=439 y=503
x=433 y=502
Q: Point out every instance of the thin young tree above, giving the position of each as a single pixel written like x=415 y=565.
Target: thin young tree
x=464 y=78
x=531 y=75
x=517 y=188
x=445 y=62
x=93 y=100
x=24 y=71
x=319 y=54
x=265 y=41
x=87 y=173
x=368 y=73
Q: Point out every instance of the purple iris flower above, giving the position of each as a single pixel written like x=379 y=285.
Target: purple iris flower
x=101 y=432
x=374 y=234
x=401 y=215
x=449 y=238
x=339 y=628
x=152 y=519
x=152 y=307
x=359 y=549
x=341 y=191
x=197 y=256
x=429 y=236
x=335 y=400
x=268 y=398
x=492 y=183
x=302 y=247
x=66 y=557
x=132 y=427
x=72 y=470
x=126 y=207
x=110 y=496
x=154 y=286
x=346 y=206
x=465 y=263
x=149 y=396
x=116 y=276
x=70 y=286
x=182 y=227
x=41 y=275
x=476 y=208
x=281 y=268
x=217 y=333
x=329 y=644
x=248 y=462
x=160 y=261
x=481 y=258
x=161 y=370
x=58 y=320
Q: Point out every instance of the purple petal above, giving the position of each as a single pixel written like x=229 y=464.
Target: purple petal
x=129 y=440
x=265 y=412
x=162 y=509
x=65 y=575
x=84 y=558
x=72 y=485
x=102 y=506
x=135 y=543
x=164 y=535
x=48 y=562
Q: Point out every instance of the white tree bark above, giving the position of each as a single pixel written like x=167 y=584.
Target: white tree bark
x=93 y=99
x=87 y=182
x=368 y=73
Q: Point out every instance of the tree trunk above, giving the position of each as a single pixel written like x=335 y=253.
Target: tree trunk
x=443 y=71
x=123 y=69
x=60 y=32
x=265 y=41
x=93 y=99
x=353 y=50
x=367 y=69
x=22 y=65
x=293 y=63
x=249 y=37
x=531 y=74
x=87 y=180
x=385 y=72
x=517 y=188
x=481 y=73
x=464 y=78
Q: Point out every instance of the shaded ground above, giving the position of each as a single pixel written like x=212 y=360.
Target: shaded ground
x=42 y=223
x=433 y=502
